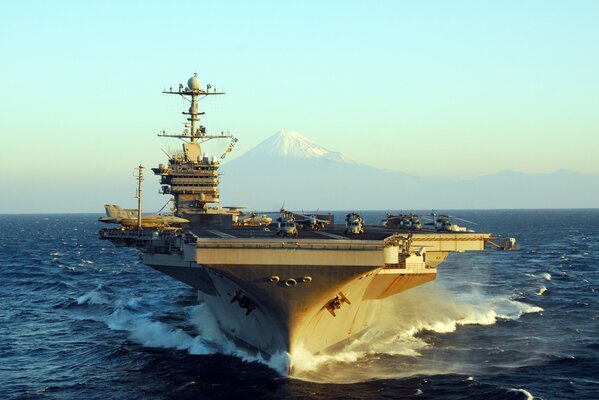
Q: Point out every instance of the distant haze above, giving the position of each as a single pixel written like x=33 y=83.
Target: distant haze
x=292 y=170
x=288 y=168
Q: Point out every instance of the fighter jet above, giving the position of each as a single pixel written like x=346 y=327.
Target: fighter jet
x=311 y=221
x=127 y=217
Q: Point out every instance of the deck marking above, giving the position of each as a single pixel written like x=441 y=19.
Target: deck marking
x=221 y=234
x=331 y=235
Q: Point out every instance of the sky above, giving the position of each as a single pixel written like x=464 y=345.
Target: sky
x=450 y=89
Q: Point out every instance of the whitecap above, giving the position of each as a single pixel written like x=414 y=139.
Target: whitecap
x=157 y=334
x=542 y=290
x=92 y=297
x=302 y=361
x=394 y=333
x=546 y=276
x=148 y=332
x=528 y=395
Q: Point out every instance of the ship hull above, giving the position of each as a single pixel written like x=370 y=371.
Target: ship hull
x=274 y=317
x=280 y=297
x=325 y=307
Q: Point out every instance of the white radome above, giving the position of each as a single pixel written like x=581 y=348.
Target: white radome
x=194 y=82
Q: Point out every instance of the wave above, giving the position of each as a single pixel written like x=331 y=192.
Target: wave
x=93 y=297
x=545 y=275
x=526 y=393
x=201 y=338
x=398 y=332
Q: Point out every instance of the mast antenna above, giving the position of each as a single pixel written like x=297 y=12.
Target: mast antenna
x=140 y=178
x=194 y=132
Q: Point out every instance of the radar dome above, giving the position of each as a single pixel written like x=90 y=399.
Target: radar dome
x=194 y=82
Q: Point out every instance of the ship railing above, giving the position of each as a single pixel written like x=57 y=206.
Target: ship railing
x=134 y=234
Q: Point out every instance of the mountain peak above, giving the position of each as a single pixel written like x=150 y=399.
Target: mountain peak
x=293 y=145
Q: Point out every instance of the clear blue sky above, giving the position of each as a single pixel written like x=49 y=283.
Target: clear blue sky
x=433 y=88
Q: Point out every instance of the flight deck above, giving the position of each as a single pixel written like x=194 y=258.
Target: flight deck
x=338 y=232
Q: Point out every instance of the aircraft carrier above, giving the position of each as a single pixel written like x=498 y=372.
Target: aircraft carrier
x=276 y=287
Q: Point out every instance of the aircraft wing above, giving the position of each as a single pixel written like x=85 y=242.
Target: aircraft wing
x=309 y=219
x=109 y=220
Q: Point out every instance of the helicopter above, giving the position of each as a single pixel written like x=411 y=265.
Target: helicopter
x=354 y=224
x=405 y=221
x=286 y=225
x=442 y=222
x=311 y=221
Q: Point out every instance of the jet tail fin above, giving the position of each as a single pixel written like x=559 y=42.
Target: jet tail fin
x=114 y=211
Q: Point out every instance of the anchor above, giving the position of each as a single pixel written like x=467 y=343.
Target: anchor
x=336 y=302
x=244 y=302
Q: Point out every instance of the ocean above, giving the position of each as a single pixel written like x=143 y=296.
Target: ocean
x=81 y=319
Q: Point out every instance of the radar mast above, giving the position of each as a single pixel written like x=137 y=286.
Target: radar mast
x=192 y=177
x=193 y=90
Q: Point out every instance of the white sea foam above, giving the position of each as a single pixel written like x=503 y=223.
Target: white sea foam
x=542 y=290
x=528 y=395
x=513 y=309
x=396 y=332
x=158 y=334
x=207 y=338
x=92 y=297
x=302 y=361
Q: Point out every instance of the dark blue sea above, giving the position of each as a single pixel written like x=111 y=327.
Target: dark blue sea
x=81 y=319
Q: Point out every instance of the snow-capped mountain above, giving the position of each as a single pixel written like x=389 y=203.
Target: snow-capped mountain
x=291 y=144
x=288 y=168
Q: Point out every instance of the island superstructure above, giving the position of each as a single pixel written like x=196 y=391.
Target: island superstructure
x=191 y=176
x=276 y=293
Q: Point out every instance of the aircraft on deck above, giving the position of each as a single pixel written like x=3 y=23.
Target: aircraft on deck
x=354 y=224
x=404 y=221
x=127 y=217
x=286 y=225
x=442 y=223
x=254 y=220
x=311 y=221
